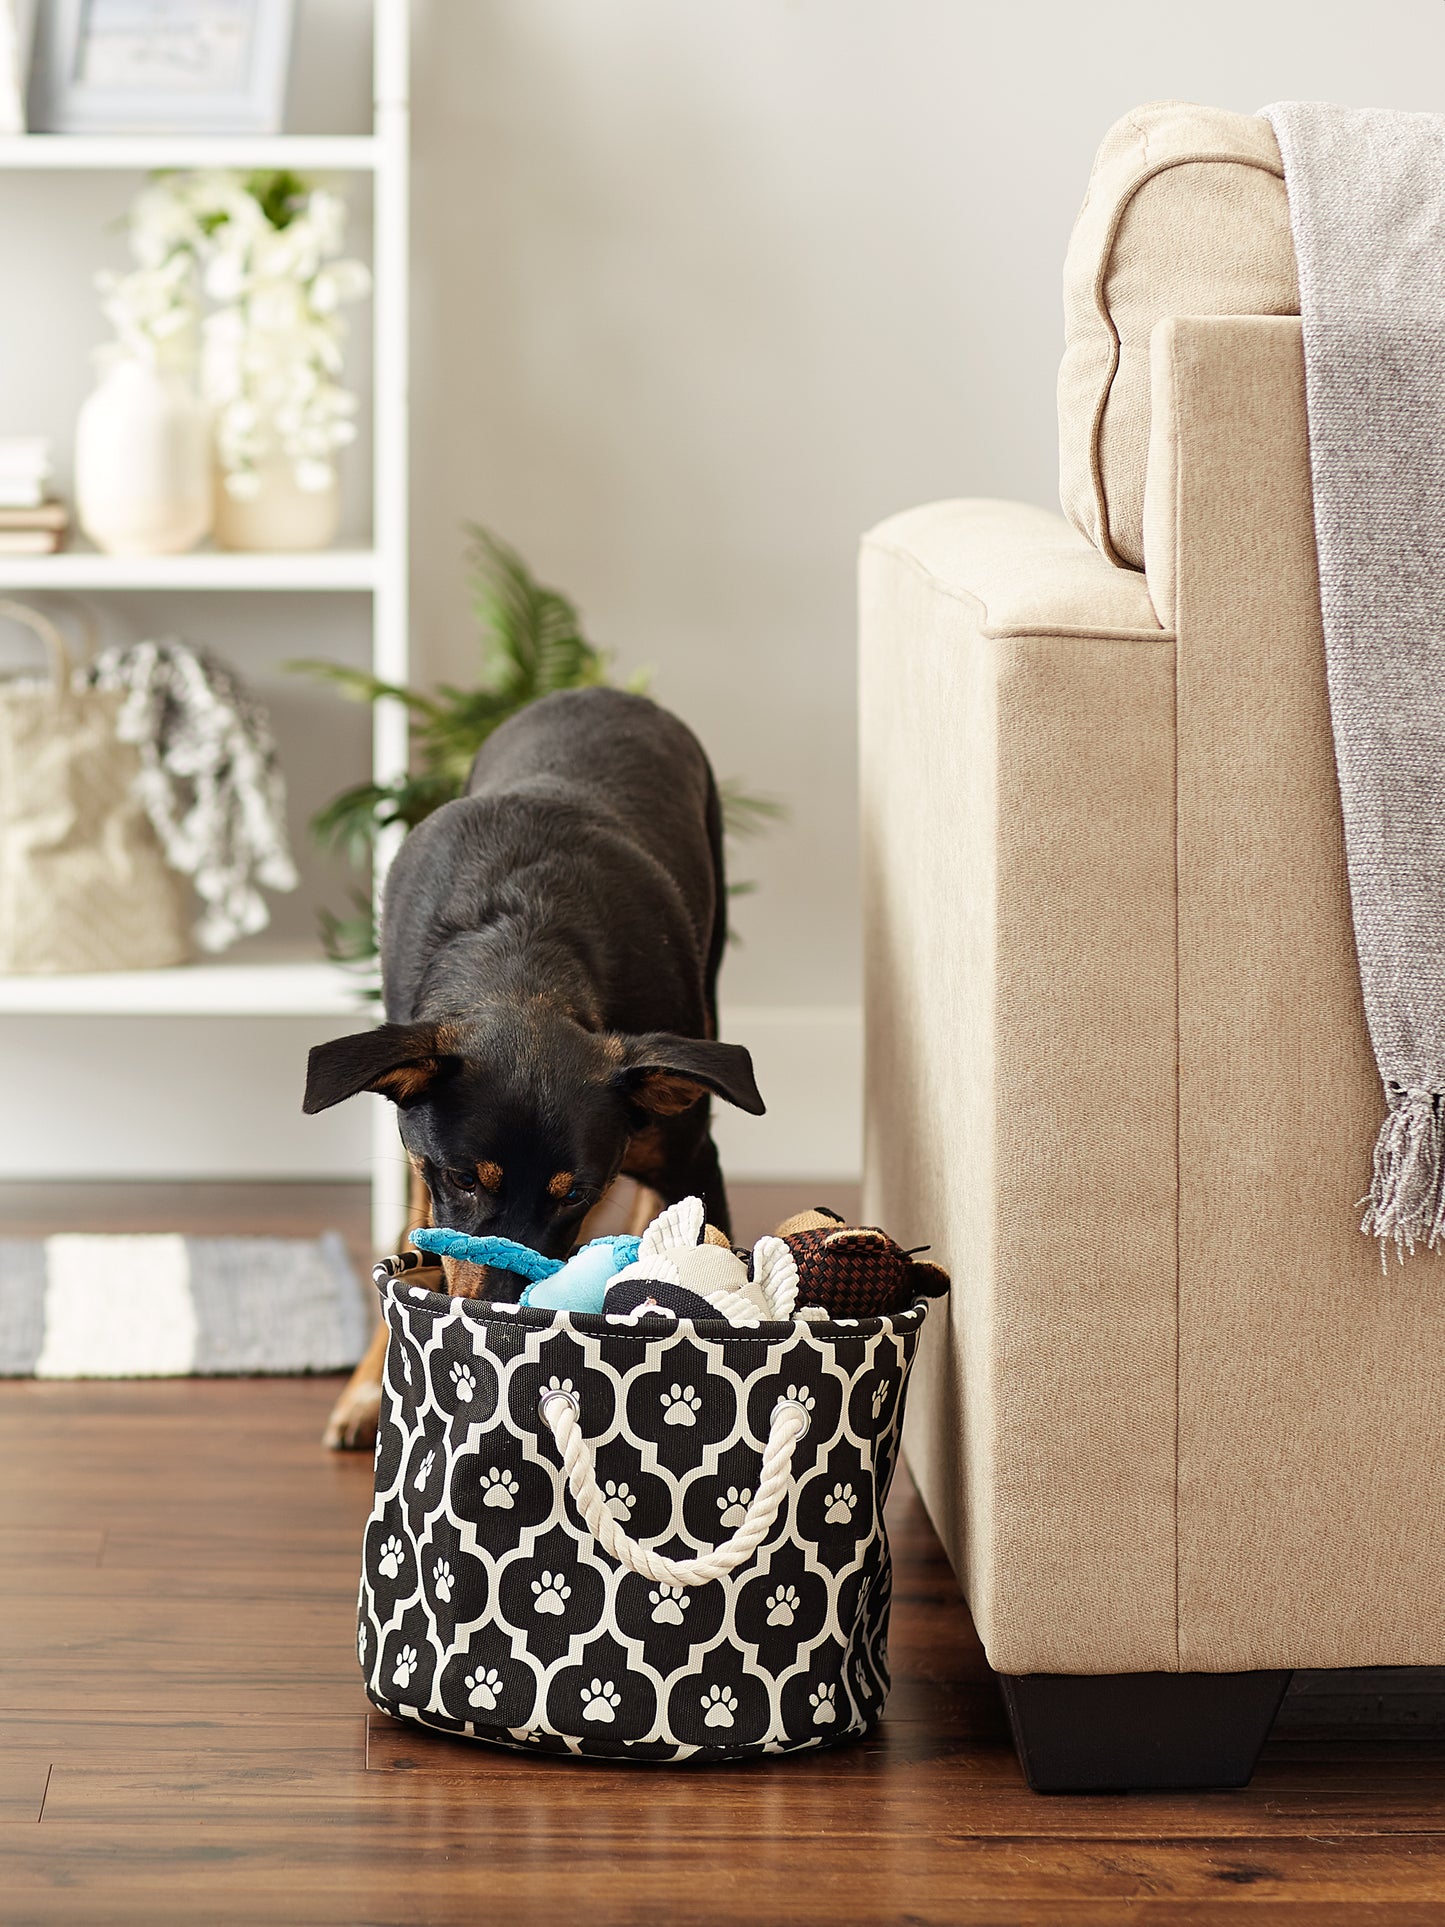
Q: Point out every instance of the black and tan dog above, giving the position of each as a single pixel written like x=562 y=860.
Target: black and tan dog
x=550 y=946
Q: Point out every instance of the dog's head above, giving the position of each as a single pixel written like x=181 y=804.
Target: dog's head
x=517 y=1118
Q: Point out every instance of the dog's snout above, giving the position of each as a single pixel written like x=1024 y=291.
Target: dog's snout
x=480 y=1281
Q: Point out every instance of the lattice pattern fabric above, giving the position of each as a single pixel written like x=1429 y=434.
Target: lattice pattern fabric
x=489 y=1609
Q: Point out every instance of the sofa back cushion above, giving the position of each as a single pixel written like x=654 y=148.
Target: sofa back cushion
x=1185 y=215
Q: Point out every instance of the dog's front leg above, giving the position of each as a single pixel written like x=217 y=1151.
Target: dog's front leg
x=356 y=1414
x=354 y=1417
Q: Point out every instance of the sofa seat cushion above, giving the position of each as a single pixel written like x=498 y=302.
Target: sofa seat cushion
x=1185 y=215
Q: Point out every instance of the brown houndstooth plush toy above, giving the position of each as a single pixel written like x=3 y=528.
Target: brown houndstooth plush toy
x=855 y=1271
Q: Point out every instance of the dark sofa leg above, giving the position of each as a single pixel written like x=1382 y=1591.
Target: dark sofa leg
x=1120 y=1732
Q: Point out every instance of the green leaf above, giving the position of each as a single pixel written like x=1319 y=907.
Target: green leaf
x=353 y=939
x=746 y=813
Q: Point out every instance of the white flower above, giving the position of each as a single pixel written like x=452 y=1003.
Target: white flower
x=314 y=476
x=272 y=349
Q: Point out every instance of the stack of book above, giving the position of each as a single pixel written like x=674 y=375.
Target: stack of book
x=32 y=522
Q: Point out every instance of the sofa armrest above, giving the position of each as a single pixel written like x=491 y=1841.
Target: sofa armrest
x=1025 y=570
x=1017 y=720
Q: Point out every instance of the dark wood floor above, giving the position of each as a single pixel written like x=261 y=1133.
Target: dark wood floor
x=183 y=1737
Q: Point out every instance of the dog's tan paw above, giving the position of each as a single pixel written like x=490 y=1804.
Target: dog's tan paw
x=353 y=1421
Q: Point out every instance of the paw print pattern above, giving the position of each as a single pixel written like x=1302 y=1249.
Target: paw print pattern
x=390 y=1559
x=441 y=1574
x=880 y=1393
x=484 y=1688
x=499 y=1488
x=824 y=1708
x=423 y=1471
x=550 y=1594
x=405 y=1666
x=719 y=1704
x=680 y=1406
x=800 y=1395
x=841 y=1501
x=600 y=1701
x=361 y=1644
x=734 y=1506
x=783 y=1606
x=464 y=1383
x=620 y=1499
x=669 y=1603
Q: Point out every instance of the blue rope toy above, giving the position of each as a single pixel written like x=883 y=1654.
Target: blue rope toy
x=588 y=1271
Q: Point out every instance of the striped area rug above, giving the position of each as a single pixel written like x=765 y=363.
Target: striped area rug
x=159 y=1306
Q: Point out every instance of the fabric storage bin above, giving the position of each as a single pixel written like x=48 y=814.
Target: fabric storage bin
x=714 y=1584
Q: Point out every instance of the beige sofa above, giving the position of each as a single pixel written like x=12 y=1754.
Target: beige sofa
x=1177 y=1428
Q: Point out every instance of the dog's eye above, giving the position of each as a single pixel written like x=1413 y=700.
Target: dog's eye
x=463 y=1180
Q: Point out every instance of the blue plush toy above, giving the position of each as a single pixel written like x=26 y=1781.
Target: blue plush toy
x=578 y=1283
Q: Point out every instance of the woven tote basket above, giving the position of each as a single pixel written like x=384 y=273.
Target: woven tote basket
x=83 y=882
x=654 y=1540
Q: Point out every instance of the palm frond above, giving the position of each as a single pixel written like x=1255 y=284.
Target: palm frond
x=747 y=812
x=359 y=685
x=353 y=939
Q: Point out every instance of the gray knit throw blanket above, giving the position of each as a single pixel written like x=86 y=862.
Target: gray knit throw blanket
x=1367 y=206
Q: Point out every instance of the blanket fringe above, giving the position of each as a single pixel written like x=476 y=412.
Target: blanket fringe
x=1406 y=1205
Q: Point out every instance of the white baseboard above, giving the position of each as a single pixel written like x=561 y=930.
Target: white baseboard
x=199 y=1097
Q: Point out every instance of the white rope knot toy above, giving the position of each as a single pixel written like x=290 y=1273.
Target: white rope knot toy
x=676 y=1250
x=561 y=1414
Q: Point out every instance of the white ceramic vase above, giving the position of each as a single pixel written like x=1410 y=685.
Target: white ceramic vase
x=280 y=515
x=143 y=462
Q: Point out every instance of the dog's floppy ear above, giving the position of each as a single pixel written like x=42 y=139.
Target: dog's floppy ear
x=398 y=1060
x=666 y=1074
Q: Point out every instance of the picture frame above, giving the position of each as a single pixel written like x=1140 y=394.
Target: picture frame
x=161 y=66
x=17 y=27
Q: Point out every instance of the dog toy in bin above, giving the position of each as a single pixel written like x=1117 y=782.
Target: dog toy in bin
x=855 y=1271
x=816 y=1265
x=577 y=1283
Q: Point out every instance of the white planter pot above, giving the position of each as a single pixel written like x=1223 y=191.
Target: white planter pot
x=143 y=463
x=281 y=515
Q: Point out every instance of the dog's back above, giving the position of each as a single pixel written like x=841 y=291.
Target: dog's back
x=592 y=817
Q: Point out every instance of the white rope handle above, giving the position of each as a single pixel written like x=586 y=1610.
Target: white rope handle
x=562 y=1418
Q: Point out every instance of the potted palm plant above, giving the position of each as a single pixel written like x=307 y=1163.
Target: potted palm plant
x=532 y=644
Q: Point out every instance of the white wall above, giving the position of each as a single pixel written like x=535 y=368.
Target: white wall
x=703 y=290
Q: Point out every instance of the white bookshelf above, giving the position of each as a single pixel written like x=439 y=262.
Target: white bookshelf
x=274 y=983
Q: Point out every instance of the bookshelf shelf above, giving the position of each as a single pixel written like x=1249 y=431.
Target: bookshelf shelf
x=320 y=569
x=308 y=153
x=274 y=985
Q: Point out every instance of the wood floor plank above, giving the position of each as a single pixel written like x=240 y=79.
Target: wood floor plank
x=22 y=1785
x=43 y=1547
x=980 y=1797
x=428 y=1863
